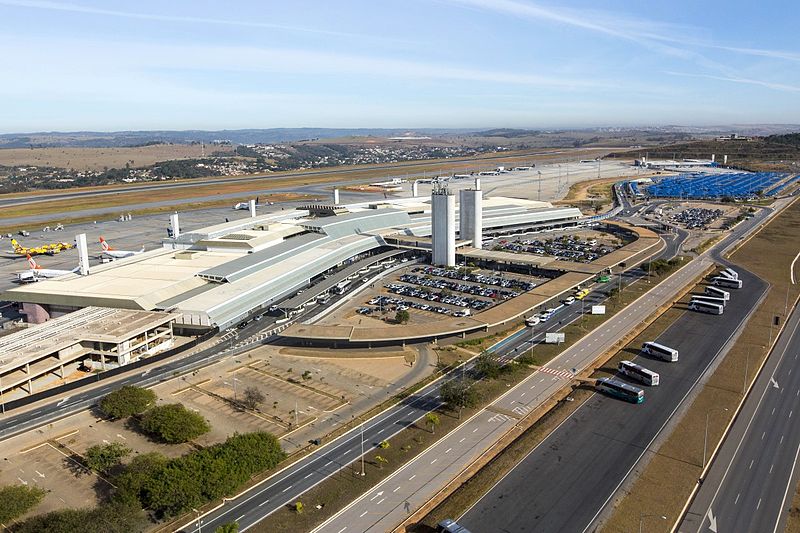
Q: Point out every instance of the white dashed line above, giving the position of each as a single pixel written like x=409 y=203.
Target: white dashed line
x=412 y=477
x=265 y=502
x=462 y=440
x=395 y=490
x=309 y=475
x=380 y=501
x=287 y=488
x=434 y=460
x=340 y=531
x=362 y=514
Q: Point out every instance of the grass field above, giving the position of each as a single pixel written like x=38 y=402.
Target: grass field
x=102 y=158
x=665 y=484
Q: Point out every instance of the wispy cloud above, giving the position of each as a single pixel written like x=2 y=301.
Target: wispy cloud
x=737 y=79
x=76 y=8
x=761 y=52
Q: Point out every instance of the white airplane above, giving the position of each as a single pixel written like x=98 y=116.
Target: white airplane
x=244 y=206
x=117 y=254
x=37 y=272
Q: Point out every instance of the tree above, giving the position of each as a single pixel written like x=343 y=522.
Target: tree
x=231 y=527
x=432 y=419
x=252 y=397
x=104 y=457
x=488 y=365
x=106 y=518
x=16 y=500
x=458 y=394
x=173 y=423
x=127 y=401
x=402 y=316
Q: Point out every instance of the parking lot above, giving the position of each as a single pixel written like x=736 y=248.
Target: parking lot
x=697 y=217
x=565 y=247
x=431 y=293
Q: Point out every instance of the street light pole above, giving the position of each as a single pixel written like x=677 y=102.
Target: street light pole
x=705 y=437
x=362 y=448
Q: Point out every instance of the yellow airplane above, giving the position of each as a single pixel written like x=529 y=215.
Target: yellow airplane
x=50 y=249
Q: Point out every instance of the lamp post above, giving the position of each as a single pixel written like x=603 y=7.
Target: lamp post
x=199 y=521
x=362 y=449
x=705 y=436
x=643 y=516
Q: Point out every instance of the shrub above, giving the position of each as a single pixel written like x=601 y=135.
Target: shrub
x=104 y=457
x=107 y=518
x=16 y=500
x=127 y=401
x=173 y=423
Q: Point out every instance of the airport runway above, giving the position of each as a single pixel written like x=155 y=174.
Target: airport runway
x=752 y=481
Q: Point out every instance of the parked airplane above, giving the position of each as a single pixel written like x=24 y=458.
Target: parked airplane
x=118 y=254
x=37 y=272
x=50 y=249
x=244 y=206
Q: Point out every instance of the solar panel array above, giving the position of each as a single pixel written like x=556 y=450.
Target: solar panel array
x=733 y=184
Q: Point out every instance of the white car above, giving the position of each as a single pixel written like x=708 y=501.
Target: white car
x=569 y=301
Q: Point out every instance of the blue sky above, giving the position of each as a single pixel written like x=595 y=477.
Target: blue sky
x=104 y=65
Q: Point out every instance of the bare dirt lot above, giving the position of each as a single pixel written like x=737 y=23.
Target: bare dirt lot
x=101 y=158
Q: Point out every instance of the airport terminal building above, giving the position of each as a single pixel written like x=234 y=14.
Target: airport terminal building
x=218 y=276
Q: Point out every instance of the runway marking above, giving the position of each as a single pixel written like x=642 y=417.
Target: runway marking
x=773 y=411
x=762 y=435
x=362 y=514
x=263 y=503
x=770 y=467
x=412 y=477
x=737 y=498
x=751 y=464
x=758 y=504
x=781 y=442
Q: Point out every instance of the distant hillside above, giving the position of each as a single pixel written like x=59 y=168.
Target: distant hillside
x=90 y=139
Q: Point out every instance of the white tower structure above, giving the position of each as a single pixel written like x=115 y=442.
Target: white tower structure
x=175 y=225
x=443 y=222
x=414 y=189
x=83 y=254
x=335 y=196
x=252 y=205
x=470 y=221
x=713 y=157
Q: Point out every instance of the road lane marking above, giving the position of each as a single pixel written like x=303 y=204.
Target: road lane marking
x=309 y=475
x=790 y=414
x=773 y=411
x=263 y=503
x=362 y=514
x=287 y=488
x=474 y=430
x=434 y=460
x=448 y=450
x=737 y=498
x=412 y=477
x=781 y=442
x=758 y=504
x=751 y=464
x=239 y=518
x=380 y=501
x=462 y=440
x=770 y=467
x=340 y=531
x=395 y=490
x=762 y=435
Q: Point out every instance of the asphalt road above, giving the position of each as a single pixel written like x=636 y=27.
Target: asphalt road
x=566 y=482
x=752 y=481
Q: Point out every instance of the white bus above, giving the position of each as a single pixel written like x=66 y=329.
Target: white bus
x=639 y=373
x=710 y=299
x=717 y=293
x=341 y=287
x=730 y=273
x=722 y=281
x=706 y=307
x=620 y=389
x=659 y=350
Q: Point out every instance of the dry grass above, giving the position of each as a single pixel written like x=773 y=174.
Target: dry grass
x=101 y=158
x=667 y=481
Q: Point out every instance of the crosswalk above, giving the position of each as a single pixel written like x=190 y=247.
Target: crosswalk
x=564 y=374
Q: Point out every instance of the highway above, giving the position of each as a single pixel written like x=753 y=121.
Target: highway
x=751 y=483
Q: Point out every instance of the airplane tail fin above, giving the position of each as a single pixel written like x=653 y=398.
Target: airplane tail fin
x=105 y=245
x=32 y=262
x=15 y=244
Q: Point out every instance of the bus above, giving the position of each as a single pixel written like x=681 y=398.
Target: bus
x=341 y=287
x=710 y=299
x=638 y=372
x=717 y=292
x=662 y=352
x=722 y=281
x=729 y=273
x=620 y=389
x=706 y=307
